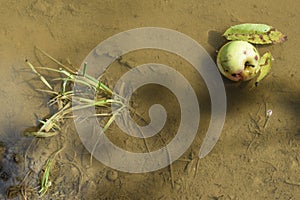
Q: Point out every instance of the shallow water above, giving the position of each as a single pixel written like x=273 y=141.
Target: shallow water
x=242 y=165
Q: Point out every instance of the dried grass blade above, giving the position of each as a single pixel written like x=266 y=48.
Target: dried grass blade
x=51 y=122
x=47 y=91
x=39 y=134
x=39 y=75
x=57 y=62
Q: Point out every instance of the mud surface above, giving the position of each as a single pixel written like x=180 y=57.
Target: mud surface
x=245 y=163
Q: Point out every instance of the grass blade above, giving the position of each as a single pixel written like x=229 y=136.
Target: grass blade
x=45 y=183
x=57 y=62
x=39 y=75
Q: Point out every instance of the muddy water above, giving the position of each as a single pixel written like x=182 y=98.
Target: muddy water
x=243 y=165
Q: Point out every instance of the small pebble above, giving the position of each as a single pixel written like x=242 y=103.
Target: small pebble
x=112 y=175
x=269 y=113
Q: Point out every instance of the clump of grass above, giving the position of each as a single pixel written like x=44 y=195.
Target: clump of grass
x=62 y=100
x=65 y=100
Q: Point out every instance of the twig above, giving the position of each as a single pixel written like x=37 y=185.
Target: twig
x=292 y=182
x=169 y=157
x=268 y=115
x=251 y=143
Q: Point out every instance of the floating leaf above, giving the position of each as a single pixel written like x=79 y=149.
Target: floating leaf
x=255 y=33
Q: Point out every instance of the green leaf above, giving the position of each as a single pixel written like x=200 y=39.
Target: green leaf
x=255 y=33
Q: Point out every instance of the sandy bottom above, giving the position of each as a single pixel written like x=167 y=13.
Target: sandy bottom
x=244 y=164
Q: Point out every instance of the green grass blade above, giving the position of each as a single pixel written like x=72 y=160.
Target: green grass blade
x=45 y=183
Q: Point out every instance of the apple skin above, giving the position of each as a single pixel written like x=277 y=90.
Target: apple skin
x=238 y=61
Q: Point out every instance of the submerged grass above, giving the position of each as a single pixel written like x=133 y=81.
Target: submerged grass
x=62 y=99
